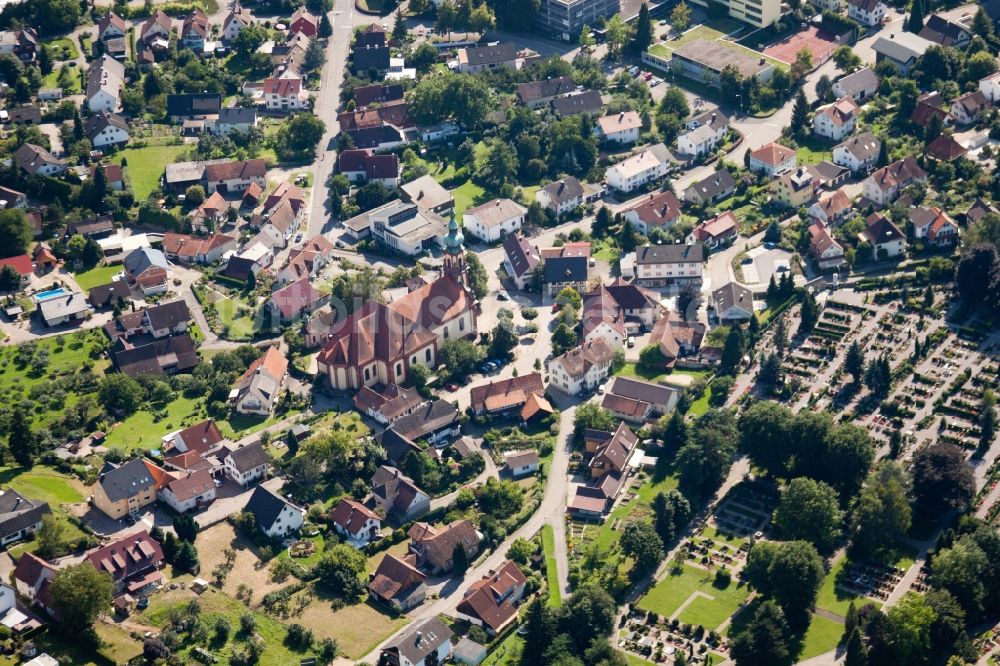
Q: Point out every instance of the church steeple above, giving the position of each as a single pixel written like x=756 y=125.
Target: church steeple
x=454 y=251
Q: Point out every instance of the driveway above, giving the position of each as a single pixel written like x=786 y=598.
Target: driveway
x=233 y=501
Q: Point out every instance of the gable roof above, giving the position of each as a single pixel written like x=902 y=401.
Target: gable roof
x=489 y=598
x=658 y=209
x=940 y=30
x=520 y=253
x=619 y=122
x=127 y=556
x=858 y=82
x=881 y=230
x=352 y=516
x=864 y=147
x=424 y=637
x=945 y=148
x=505 y=391
x=534 y=91
x=497 y=211
x=266 y=506
x=191 y=485
x=718 y=182
x=393 y=577
x=674 y=253
x=577 y=361
x=201 y=436
x=485 y=55
x=898 y=174
x=731 y=295
x=564 y=189
x=588 y=101
x=248 y=457
x=426 y=419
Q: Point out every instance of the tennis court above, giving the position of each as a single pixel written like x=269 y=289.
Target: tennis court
x=820 y=44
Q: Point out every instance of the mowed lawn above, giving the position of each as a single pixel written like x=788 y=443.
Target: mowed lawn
x=145 y=166
x=551 y=573
x=143 y=429
x=823 y=635
x=66 y=354
x=671 y=593
x=43 y=483
x=96 y=276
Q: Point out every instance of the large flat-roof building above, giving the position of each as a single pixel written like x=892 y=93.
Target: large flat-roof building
x=566 y=18
x=760 y=13
x=699 y=56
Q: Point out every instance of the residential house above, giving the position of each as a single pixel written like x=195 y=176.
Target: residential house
x=504 y=395
x=21 y=42
x=638 y=401
x=194 y=250
x=657 y=211
x=133 y=563
x=858 y=153
x=37 y=161
x=363 y=166
x=520 y=259
x=713 y=189
x=22 y=264
x=831 y=209
x=238 y=18
x=415 y=646
x=157 y=321
x=367 y=58
x=644 y=167
x=12 y=198
x=884 y=237
x=146 y=355
x=585 y=101
x=122 y=490
x=662 y=265
x=883 y=186
x=970 y=107
x=930 y=105
x=610 y=453
x=386 y=404
x=491 y=602
x=296 y=300
x=859 y=86
x=64 y=309
x=794 y=189
x=536 y=94
x=716 y=232
x=494 y=220
x=623 y=127
x=106 y=129
x=276 y=517
x=195 y=30
x=828 y=253
x=187 y=106
x=703 y=133
x=435 y=547
x=901 y=48
x=772 y=159
x=256 y=392
x=234 y=119
x=403 y=227
x=303 y=21
x=618 y=310
x=245 y=465
x=194 y=490
x=733 y=302
x=479 y=58
x=837 y=120
x=979 y=209
x=356 y=523
x=110 y=294
x=398 y=583
x=945 y=32
x=427 y=194
x=521 y=463
x=867 y=12
x=156 y=27
x=990 y=86
x=32 y=577
x=560 y=196
x=105 y=80
x=945 y=149
x=565 y=266
x=147 y=269
x=934 y=225
x=398 y=496
x=285 y=95
x=582 y=368
x=378 y=93
x=20 y=517
x=231 y=177
x=199 y=438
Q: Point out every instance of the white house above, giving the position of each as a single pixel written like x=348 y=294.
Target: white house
x=658 y=211
x=858 y=153
x=867 y=12
x=561 y=196
x=520 y=259
x=837 y=120
x=356 y=523
x=194 y=490
x=884 y=185
x=245 y=464
x=885 y=238
x=990 y=86
x=237 y=19
x=662 y=265
x=622 y=127
x=827 y=252
x=644 y=167
x=772 y=159
x=105 y=79
x=703 y=133
x=414 y=647
x=859 y=85
x=285 y=95
x=106 y=129
x=521 y=463
x=582 y=368
x=276 y=516
x=494 y=220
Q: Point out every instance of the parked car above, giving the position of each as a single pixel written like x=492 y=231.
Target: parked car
x=647 y=75
x=502 y=296
x=451 y=387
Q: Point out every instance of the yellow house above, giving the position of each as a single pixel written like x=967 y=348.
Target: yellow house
x=795 y=189
x=124 y=489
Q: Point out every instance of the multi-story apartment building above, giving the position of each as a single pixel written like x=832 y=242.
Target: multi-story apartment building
x=567 y=17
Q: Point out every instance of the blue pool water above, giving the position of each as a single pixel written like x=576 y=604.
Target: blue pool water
x=51 y=293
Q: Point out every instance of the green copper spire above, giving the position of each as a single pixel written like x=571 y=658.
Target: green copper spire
x=453 y=243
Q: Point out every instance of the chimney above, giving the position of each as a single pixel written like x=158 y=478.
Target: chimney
x=417 y=637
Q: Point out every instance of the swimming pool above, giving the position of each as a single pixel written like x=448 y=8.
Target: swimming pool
x=47 y=295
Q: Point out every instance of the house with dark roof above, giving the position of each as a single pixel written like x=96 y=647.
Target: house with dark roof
x=478 y=58
x=414 y=647
x=934 y=226
x=520 y=259
x=970 y=107
x=124 y=489
x=587 y=101
x=521 y=463
x=147 y=269
x=859 y=85
x=106 y=129
x=884 y=237
x=366 y=58
x=436 y=421
x=582 y=368
x=560 y=272
x=143 y=355
x=246 y=464
x=276 y=517
x=356 y=523
x=610 y=451
x=398 y=496
x=492 y=601
x=109 y=294
x=158 y=321
x=19 y=516
x=660 y=265
x=619 y=310
x=378 y=93
x=32 y=577
x=562 y=195
x=535 y=94
x=133 y=563
x=945 y=32
x=945 y=149
x=185 y=106
x=858 y=153
x=733 y=302
x=386 y=404
x=398 y=583
x=712 y=189
x=637 y=401
x=435 y=546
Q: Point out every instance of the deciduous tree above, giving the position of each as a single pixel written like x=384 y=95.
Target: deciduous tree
x=79 y=594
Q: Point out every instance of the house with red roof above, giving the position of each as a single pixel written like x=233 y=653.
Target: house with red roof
x=934 y=225
x=133 y=563
x=356 y=523
x=295 y=300
x=22 y=264
x=491 y=602
x=772 y=159
x=398 y=583
x=194 y=489
x=285 y=95
x=303 y=21
x=720 y=230
x=32 y=577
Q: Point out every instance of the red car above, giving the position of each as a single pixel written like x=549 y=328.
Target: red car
x=451 y=387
